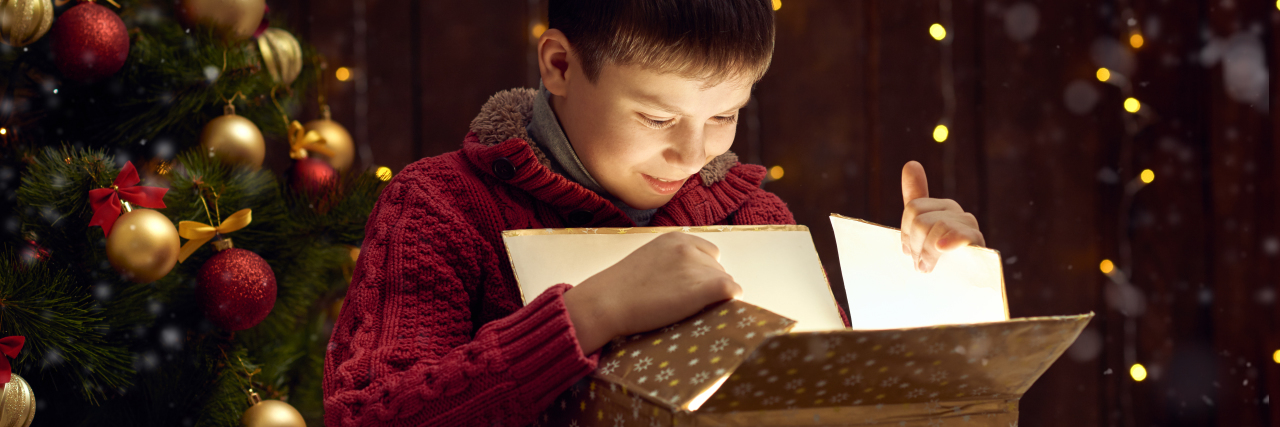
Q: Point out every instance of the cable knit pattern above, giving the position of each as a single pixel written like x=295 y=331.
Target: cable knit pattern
x=433 y=331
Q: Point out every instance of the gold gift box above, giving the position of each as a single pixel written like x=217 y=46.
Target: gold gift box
x=926 y=349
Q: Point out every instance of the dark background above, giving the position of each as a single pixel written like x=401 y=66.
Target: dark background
x=855 y=90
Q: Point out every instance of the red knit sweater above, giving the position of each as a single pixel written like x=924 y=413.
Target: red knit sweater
x=432 y=331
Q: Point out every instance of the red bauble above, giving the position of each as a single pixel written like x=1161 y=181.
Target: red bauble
x=90 y=42
x=313 y=177
x=236 y=289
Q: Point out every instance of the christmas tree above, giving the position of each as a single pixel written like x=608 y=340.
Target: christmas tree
x=158 y=274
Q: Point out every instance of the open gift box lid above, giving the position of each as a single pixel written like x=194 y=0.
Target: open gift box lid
x=924 y=346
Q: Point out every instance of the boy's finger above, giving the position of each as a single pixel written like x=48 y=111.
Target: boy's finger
x=914 y=183
x=705 y=246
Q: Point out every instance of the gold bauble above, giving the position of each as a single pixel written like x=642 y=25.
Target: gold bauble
x=234 y=140
x=281 y=55
x=143 y=245
x=22 y=22
x=234 y=20
x=272 y=413
x=17 y=403
x=337 y=139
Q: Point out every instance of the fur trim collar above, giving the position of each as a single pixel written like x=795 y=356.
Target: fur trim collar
x=507 y=113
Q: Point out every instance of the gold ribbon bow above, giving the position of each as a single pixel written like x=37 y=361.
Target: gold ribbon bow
x=301 y=140
x=198 y=233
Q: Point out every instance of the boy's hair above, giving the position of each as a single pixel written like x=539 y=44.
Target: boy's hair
x=710 y=40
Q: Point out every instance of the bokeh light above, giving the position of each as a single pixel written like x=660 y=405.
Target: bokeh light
x=1138 y=372
x=1276 y=356
x=937 y=31
x=777 y=4
x=1104 y=74
x=384 y=173
x=1132 y=105
x=1147 y=176
x=539 y=29
x=343 y=74
x=940 y=133
x=4 y=131
x=1136 y=40
x=775 y=172
x=1107 y=266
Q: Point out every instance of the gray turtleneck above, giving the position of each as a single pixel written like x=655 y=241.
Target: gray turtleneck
x=545 y=130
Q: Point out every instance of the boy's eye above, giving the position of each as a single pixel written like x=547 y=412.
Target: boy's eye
x=728 y=120
x=656 y=124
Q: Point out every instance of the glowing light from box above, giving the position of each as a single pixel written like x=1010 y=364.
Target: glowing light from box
x=775 y=172
x=1104 y=74
x=384 y=173
x=1107 y=266
x=940 y=133
x=539 y=29
x=1136 y=40
x=938 y=32
x=343 y=74
x=1138 y=372
x=1132 y=105
x=777 y=4
x=1147 y=176
x=702 y=398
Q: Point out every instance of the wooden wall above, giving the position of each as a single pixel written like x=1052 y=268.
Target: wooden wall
x=855 y=91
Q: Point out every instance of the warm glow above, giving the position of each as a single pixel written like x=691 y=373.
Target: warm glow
x=1104 y=74
x=775 y=172
x=700 y=399
x=1276 y=356
x=4 y=131
x=1138 y=372
x=384 y=173
x=937 y=31
x=1136 y=40
x=940 y=133
x=343 y=74
x=1107 y=266
x=539 y=29
x=1132 y=105
x=1147 y=176
x=777 y=4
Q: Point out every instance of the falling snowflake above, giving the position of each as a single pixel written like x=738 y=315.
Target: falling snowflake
x=720 y=344
x=786 y=356
x=700 y=331
x=666 y=374
x=700 y=378
x=853 y=380
x=746 y=321
x=610 y=367
x=643 y=364
x=794 y=384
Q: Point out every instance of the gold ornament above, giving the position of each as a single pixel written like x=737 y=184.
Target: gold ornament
x=271 y=413
x=281 y=54
x=17 y=403
x=234 y=139
x=22 y=22
x=234 y=20
x=143 y=245
x=336 y=138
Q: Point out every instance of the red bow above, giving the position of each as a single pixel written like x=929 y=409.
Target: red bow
x=10 y=346
x=106 y=201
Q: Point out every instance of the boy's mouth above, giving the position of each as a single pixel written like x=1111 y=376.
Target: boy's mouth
x=664 y=186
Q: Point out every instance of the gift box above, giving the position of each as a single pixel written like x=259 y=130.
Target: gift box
x=924 y=349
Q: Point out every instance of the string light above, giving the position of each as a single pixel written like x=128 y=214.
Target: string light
x=1136 y=40
x=384 y=173
x=938 y=32
x=1105 y=74
x=777 y=4
x=1138 y=372
x=538 y=29
x=1107 y=266
x=1132 y=105
x=343 y=74
x=775 y=172
x=1147 y=176
x=940 y=133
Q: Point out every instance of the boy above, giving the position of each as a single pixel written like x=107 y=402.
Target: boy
x=632 y=128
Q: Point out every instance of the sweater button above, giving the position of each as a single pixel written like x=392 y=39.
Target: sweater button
x=580 y=218
x=503 y=169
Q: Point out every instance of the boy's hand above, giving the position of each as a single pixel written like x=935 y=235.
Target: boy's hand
x=666 y=280
x=932 y=226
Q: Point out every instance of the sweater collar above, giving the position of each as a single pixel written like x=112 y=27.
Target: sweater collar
x=499 y=144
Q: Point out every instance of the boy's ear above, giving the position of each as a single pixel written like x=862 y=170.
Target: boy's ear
x=554 y=57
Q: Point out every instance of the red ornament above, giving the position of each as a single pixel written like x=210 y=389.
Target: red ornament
x=106 y=201
x=236 y=289
x=9 y=346
x=313 y=177
x=90 y=42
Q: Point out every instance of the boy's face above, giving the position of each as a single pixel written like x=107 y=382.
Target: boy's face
x=641 y=133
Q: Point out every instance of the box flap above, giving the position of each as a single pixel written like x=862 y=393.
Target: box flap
x=679 y=365
x=776 y=265
x=976 y=362
x=885 y=291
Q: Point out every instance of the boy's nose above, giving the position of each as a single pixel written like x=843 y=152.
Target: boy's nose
x=689 y=153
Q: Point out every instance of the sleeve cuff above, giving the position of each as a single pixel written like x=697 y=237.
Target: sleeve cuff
x=542 y=347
